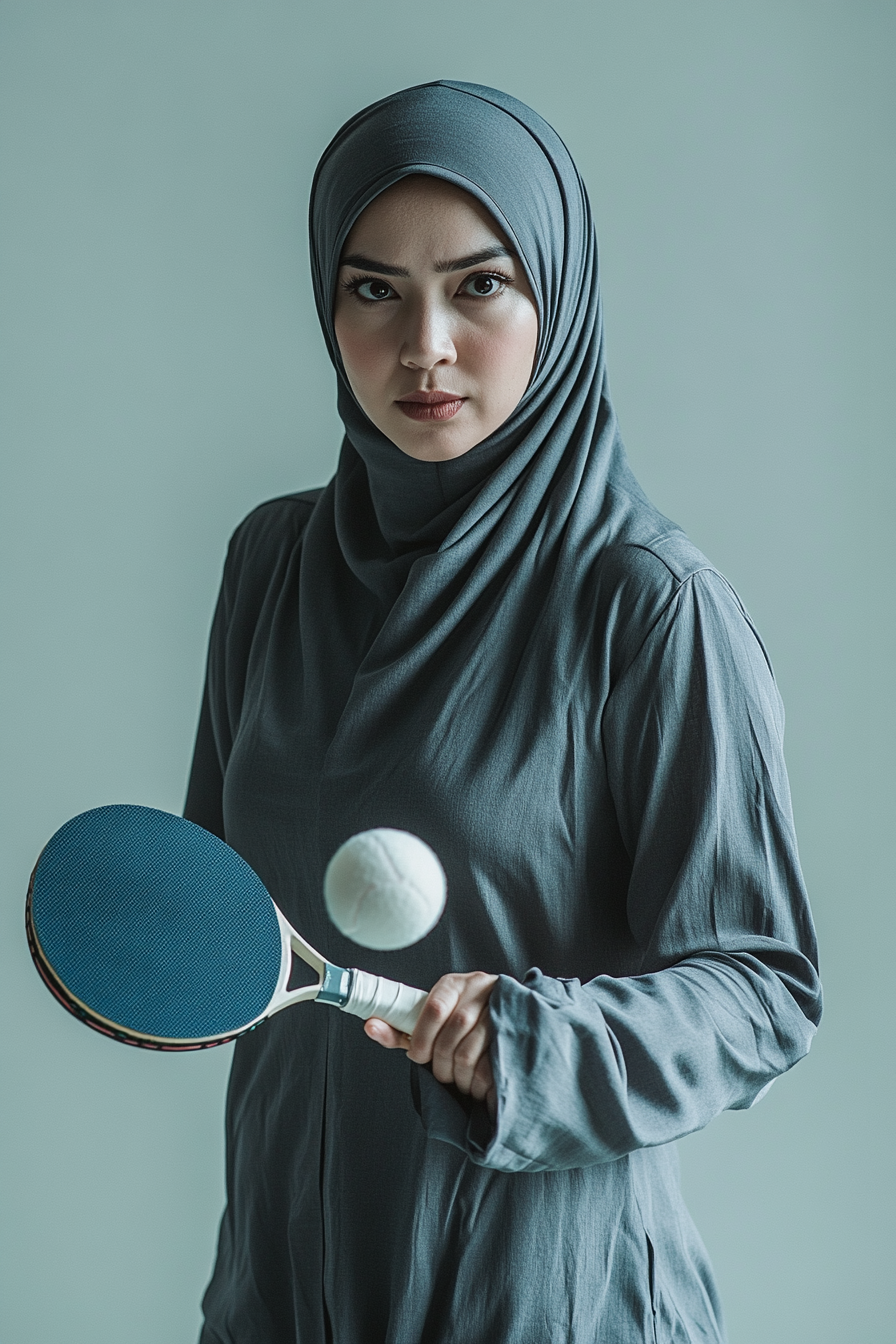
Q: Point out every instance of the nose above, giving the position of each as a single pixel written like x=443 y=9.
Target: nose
x=427 y=339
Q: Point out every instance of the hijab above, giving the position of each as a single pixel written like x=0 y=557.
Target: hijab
x=409 y=550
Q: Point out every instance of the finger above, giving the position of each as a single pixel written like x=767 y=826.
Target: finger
x=383 y=1034
x=440 y=1004
x=465 y=1035
x=468 y=1054
x=458 y=1045
x=483 y=1078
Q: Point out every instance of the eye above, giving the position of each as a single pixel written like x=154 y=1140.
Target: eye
x=484 y=284
x=369 y=288
x=375 y=290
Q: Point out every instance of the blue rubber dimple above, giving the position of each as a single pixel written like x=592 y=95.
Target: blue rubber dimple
x=156 y=924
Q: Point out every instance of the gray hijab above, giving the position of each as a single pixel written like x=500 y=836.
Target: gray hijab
x=537 y=486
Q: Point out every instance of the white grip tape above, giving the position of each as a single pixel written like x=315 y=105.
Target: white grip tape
x=372 y=996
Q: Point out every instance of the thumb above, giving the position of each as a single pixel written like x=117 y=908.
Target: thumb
x=383 y=1034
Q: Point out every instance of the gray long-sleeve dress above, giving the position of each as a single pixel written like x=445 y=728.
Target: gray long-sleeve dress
x=514 y=656
x=604 y=783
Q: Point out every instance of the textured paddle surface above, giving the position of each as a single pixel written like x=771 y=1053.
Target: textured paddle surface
x=156 y=924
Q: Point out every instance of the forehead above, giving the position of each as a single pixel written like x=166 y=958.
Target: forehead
x=502 y=152
x=423 y=215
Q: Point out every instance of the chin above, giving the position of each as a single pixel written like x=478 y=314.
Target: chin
x=437 y=443
x=430 y=450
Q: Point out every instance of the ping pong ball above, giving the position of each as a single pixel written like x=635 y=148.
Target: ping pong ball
x=384 y=889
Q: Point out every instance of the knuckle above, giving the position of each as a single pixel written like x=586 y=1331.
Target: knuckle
x=439 y=1005
x=463 y=1020
x=467 y=1054
x=482 y=980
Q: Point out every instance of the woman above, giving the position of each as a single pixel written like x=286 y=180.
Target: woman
x=482 y=632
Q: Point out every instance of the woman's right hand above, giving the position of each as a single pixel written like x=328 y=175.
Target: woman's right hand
x=453 y=1033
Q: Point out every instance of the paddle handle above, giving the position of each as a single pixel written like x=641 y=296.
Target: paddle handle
x=374 y=996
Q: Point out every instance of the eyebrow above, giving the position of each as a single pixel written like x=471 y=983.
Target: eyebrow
x=362 y=263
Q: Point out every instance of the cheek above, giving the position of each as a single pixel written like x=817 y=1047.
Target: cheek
x=363 y=355
x=504 y=357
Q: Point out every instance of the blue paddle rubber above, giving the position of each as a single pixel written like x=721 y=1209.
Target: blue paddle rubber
x=156 y=925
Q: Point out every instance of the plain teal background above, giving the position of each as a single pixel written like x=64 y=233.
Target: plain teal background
x=163 y=373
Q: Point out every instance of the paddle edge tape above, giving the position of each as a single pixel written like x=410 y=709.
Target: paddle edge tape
x=103 y=1025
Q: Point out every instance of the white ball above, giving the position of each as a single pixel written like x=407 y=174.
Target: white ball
x=384 y=889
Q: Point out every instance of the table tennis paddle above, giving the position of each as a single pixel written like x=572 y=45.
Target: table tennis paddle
x=155 y=932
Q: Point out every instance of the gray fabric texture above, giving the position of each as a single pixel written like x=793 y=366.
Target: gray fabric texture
x=516 y=657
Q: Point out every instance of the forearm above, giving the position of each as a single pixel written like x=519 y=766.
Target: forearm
x=587 y=1073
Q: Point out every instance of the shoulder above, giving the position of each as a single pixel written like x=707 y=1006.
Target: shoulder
x=261 y=547
x=646 y=584
x=274 y=522
x=659 y=563
x=636 y=582
x=267 y=534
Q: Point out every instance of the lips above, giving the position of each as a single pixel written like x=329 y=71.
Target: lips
x=430 y=405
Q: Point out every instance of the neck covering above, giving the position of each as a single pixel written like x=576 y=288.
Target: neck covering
x=423 y=584
x=545 y=469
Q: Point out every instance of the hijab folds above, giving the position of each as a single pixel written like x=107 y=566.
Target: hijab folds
x=430 y=545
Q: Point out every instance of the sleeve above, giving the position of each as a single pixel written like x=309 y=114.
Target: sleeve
x=257 y=556
x=729 y=996
x=205 y=788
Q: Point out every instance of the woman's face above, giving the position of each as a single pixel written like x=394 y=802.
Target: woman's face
x=434 y=318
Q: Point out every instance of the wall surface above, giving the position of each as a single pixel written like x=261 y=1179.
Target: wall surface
x=163 y=373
